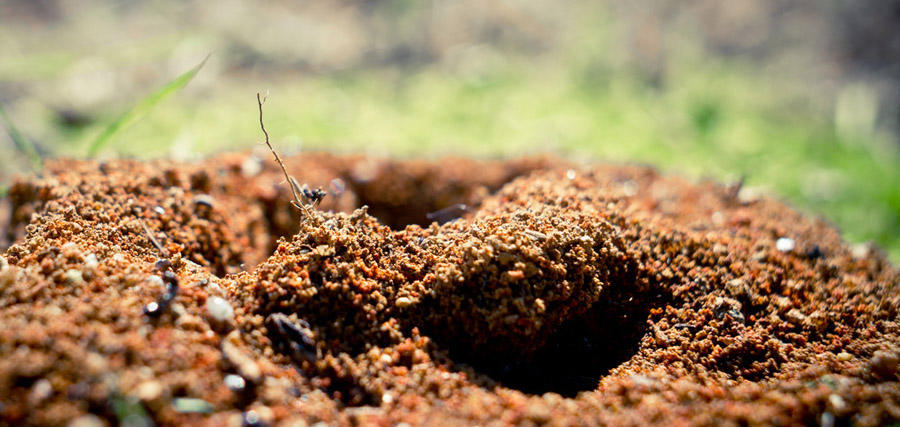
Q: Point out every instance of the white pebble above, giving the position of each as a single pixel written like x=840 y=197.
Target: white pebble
x=40 y=391
x=251 y=166
x=74 y=277
x=837 y=402
x=87 y=421
x=235 y=382
x=785 y=244
x=860 y=250
x=219 y=309
x=90 y=261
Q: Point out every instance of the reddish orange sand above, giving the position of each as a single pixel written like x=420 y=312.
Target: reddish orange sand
x=558 y=294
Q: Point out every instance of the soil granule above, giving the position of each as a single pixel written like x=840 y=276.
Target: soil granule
x=453 y=291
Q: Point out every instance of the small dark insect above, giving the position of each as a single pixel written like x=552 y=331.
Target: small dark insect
x=204 y=200
x=156 y=308
x=294 y=339
x=815 y=252
x=163 y=265
x=314 y=196
x=730 y=307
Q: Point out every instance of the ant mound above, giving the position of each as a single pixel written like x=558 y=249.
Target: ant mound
x=452 y=291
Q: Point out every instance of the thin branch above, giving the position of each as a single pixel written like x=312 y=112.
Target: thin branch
x=296 y=202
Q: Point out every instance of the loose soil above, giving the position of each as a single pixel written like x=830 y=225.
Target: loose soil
x=454 y=291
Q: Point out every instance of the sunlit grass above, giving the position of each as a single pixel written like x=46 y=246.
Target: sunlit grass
x=707 y=119
x=708 y=123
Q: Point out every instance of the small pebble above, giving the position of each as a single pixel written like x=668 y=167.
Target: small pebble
x=178 y=310
x=817 y=321
x=159 y=210
x=87 y=421
x=736 y=287
x=251 y=418
x=795 y=316
x=260 y=415
x=251 y=166
x=152 y=309
x=235 y=382
x=219 y=309
x=244 y=364
x=570 y=174
x=149 y=391
x=860 y=251
x=785 y=244
x=837 y=403
x=90 y=261
x=747 y=195
x=403 y=302
x=7 y=274
x=844 y=356
x=191 y=405
x=40 y=391
x=337 y=186
x=74 y=277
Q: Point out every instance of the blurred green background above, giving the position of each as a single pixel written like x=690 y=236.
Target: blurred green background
x=799 y=97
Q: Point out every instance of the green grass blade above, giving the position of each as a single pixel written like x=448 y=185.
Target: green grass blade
x=141 y=109
x=21 y=142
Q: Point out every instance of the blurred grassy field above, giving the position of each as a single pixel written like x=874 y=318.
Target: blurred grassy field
x=709 y=118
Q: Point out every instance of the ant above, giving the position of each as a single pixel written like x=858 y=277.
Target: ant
x=315 y=196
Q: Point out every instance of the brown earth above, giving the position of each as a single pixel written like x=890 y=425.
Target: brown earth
x=558 y=294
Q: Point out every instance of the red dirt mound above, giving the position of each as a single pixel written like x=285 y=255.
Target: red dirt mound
x=540 y=294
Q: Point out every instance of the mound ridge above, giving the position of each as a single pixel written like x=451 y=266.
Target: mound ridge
x=560 y=294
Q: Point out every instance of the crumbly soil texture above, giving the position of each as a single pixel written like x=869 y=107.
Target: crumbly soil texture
x=453 y=291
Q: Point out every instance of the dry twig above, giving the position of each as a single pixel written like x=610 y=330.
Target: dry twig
x=297 y=203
